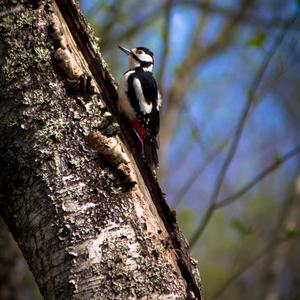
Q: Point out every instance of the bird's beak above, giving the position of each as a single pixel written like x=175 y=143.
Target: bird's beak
x=125 y=50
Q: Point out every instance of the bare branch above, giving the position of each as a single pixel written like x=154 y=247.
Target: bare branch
x=166 y=42
x=139 y=25
x=196 y=54
x=274 y=22
x=193 y=177
x=274 y=166
x=249 y=264
x=278 y=258
x=240 y=127
x=115 y=17
x=288 y=218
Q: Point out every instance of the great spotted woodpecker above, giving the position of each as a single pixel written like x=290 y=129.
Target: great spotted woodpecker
x=139 y=100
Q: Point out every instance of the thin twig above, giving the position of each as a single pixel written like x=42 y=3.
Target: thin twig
x=274 y=166
x=196 y=53
x=166 y=43
x=193 y=177
x=252 y=19
x=277 y=238
x=139 y=25
x=114 y=18
x=195 y=127
x=249 y=264
x=240 y=127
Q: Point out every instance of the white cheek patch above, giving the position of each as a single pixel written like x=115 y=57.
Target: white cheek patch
x=145 y=107
x=145 y=57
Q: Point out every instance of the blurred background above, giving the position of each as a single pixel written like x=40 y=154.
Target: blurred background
x=229 y=72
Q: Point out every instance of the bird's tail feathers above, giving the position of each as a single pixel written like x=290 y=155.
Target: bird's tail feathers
x=150 y=152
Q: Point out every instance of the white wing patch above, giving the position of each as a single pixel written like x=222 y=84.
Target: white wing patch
x=145 y=107
x=148 y=69
x=123 y=101
x=159 y=100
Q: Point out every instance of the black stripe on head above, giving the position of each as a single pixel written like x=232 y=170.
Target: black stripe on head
x=146 y=50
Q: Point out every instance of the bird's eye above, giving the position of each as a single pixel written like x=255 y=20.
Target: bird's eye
x=140 y=52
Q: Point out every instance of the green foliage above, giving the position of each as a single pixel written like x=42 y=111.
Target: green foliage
x=252 y=96
x=242 y=228
x=278 y=159
x=290 y=232
x=257 y=40
x=221 y=146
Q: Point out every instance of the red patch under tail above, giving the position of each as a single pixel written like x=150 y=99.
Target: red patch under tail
x=138 y=129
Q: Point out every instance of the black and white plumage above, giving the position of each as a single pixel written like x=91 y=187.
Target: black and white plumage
x=139 y=100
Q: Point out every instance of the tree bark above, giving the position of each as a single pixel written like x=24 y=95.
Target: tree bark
x=87 y=213
x=15 y=278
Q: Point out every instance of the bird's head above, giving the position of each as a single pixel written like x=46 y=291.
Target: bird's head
x=139 y=57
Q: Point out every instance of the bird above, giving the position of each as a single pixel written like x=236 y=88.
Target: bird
x=139 y=100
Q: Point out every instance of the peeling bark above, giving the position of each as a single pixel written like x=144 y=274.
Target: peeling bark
x=90 y=225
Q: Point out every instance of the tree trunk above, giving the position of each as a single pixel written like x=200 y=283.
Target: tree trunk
x=15 y=278
x=87 y=213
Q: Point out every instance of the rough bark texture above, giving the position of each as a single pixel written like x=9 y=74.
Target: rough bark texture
x=15 y=278
x=85 y=230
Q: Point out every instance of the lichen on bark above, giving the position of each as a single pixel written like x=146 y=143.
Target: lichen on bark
x=83 y=235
